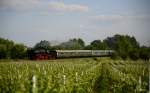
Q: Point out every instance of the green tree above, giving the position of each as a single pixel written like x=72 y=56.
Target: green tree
x=3 y=51
x=18 y=51
x=98 y=45
x=73 y=44
x=43 y=44
x=88 y=47
x=81 y=42
x=123 y=44
x=134 y=54
x=8 y=49
x=144 y=53
x=5 y=48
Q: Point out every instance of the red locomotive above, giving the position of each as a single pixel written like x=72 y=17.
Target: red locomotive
x=42 y=54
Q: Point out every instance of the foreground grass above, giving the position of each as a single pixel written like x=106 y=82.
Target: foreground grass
x=81 y=75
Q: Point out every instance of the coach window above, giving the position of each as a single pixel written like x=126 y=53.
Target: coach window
x=61 y=53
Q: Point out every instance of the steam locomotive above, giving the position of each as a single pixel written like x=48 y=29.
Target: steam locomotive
x=43 y=54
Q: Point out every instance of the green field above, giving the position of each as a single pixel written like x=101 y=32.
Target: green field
x=78 y=75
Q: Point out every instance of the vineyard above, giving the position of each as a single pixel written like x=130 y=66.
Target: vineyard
x=82 y=75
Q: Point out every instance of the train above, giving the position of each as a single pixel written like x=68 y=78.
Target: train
x=43 y=54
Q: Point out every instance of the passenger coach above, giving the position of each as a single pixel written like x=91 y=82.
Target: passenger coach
x=83 y=53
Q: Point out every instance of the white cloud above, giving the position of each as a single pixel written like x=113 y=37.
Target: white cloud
x=117 y=18
x=107 y=17
x=18 y=4
x=21 y=5
x=62 y=7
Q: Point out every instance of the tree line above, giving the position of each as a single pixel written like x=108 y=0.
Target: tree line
x=11 y=50
x=124 y=45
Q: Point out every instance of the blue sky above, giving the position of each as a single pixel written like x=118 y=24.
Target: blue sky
x=29 y=21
